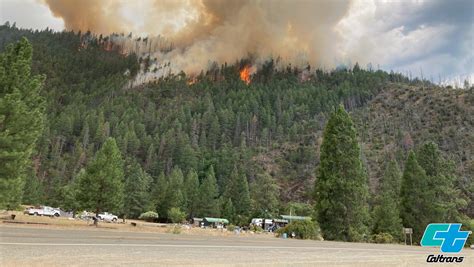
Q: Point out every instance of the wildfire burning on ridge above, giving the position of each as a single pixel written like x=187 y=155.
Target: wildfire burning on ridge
x=192 y=81
x=201 y=32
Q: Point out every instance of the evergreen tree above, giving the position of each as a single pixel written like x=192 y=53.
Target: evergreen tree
x=237 y=190
x=341 y=187
x=446 y=199
x=242 y=196
x=228 y=211
x=208 y=204
x=137 y=188
x=159 y=193
x=21 y=120
x=264 y=195
x=174 y=195
x=192 y=192
x=102 y=187
x=416 y=202
x=70 y=193
x=33 y=191
x=386 y=217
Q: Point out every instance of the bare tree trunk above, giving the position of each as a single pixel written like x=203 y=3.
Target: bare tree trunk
x=96 y=219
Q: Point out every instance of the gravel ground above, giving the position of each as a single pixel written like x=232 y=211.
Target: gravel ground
x=33 y=246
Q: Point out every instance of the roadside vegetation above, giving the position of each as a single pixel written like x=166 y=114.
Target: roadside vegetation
x=305 y=229
x=149 y=216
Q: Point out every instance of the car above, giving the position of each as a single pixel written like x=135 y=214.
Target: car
x=108 y=217
x=43 y=211
x=85 y=215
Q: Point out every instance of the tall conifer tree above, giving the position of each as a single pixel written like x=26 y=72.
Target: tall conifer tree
x=444 y=197
x=341 y=188
x=175 y=195
x=102 y=186
x=191 y=186
x=21 y=120
x=158 y=195
x=264 y=195
x=387 y=203
x=237 y=189
x=415 y=197
x=137 y=188
x=208 y=193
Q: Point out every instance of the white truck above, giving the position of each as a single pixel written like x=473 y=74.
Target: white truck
x=43 y=211
x=257 y=222
x=108 y=217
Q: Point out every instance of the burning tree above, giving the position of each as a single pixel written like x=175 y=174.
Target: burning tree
x=245 y=73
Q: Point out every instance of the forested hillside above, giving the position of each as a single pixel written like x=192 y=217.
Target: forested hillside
x=403 y=117
x=255 y=143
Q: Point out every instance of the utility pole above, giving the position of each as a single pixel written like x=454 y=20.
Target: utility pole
x=290 y=213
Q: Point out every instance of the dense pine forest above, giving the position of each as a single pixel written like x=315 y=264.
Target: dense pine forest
x=215 y=145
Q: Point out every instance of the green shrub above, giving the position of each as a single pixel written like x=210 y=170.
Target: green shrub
x=149 y=216
x=255 y=228
x=383 y=238
x=176 y=215
x=306 y=229
x=230 y=227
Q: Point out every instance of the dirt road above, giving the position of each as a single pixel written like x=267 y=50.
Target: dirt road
x=31 y=246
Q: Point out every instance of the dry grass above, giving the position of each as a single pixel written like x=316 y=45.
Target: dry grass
x=23 y=220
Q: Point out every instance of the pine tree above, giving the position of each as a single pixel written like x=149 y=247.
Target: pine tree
x=33 y=191
x=70 y=193
x=386 y=217
x=242 y=196
x=228 y=211
x=237 y=190
x=341 y=187
x=137 y=188
x=102 y=186
x=446 y=199
x=175 y=195
x=191 y=186
x=150 y=159
x=415 y=197
x=159 y=193
x=21 y=120
x=208 y=193
x=264 y=195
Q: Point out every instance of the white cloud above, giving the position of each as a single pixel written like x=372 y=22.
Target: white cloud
x=399 y=36
x=28 y=14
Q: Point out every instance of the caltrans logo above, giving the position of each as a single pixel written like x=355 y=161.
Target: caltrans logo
x=447 y=236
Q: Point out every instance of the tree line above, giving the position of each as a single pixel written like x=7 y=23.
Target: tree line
x=423 y=193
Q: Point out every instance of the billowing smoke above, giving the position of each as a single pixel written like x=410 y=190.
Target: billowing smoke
x=298 y=31
x=97 y=16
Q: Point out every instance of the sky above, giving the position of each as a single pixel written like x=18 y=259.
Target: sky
x=433 y=38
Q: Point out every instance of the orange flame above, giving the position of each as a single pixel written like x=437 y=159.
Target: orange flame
x=245 y=74
x=108 y=46
x=192 y=81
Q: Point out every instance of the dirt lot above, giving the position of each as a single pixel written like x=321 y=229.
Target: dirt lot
x=141 y=226
x=59 y=245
